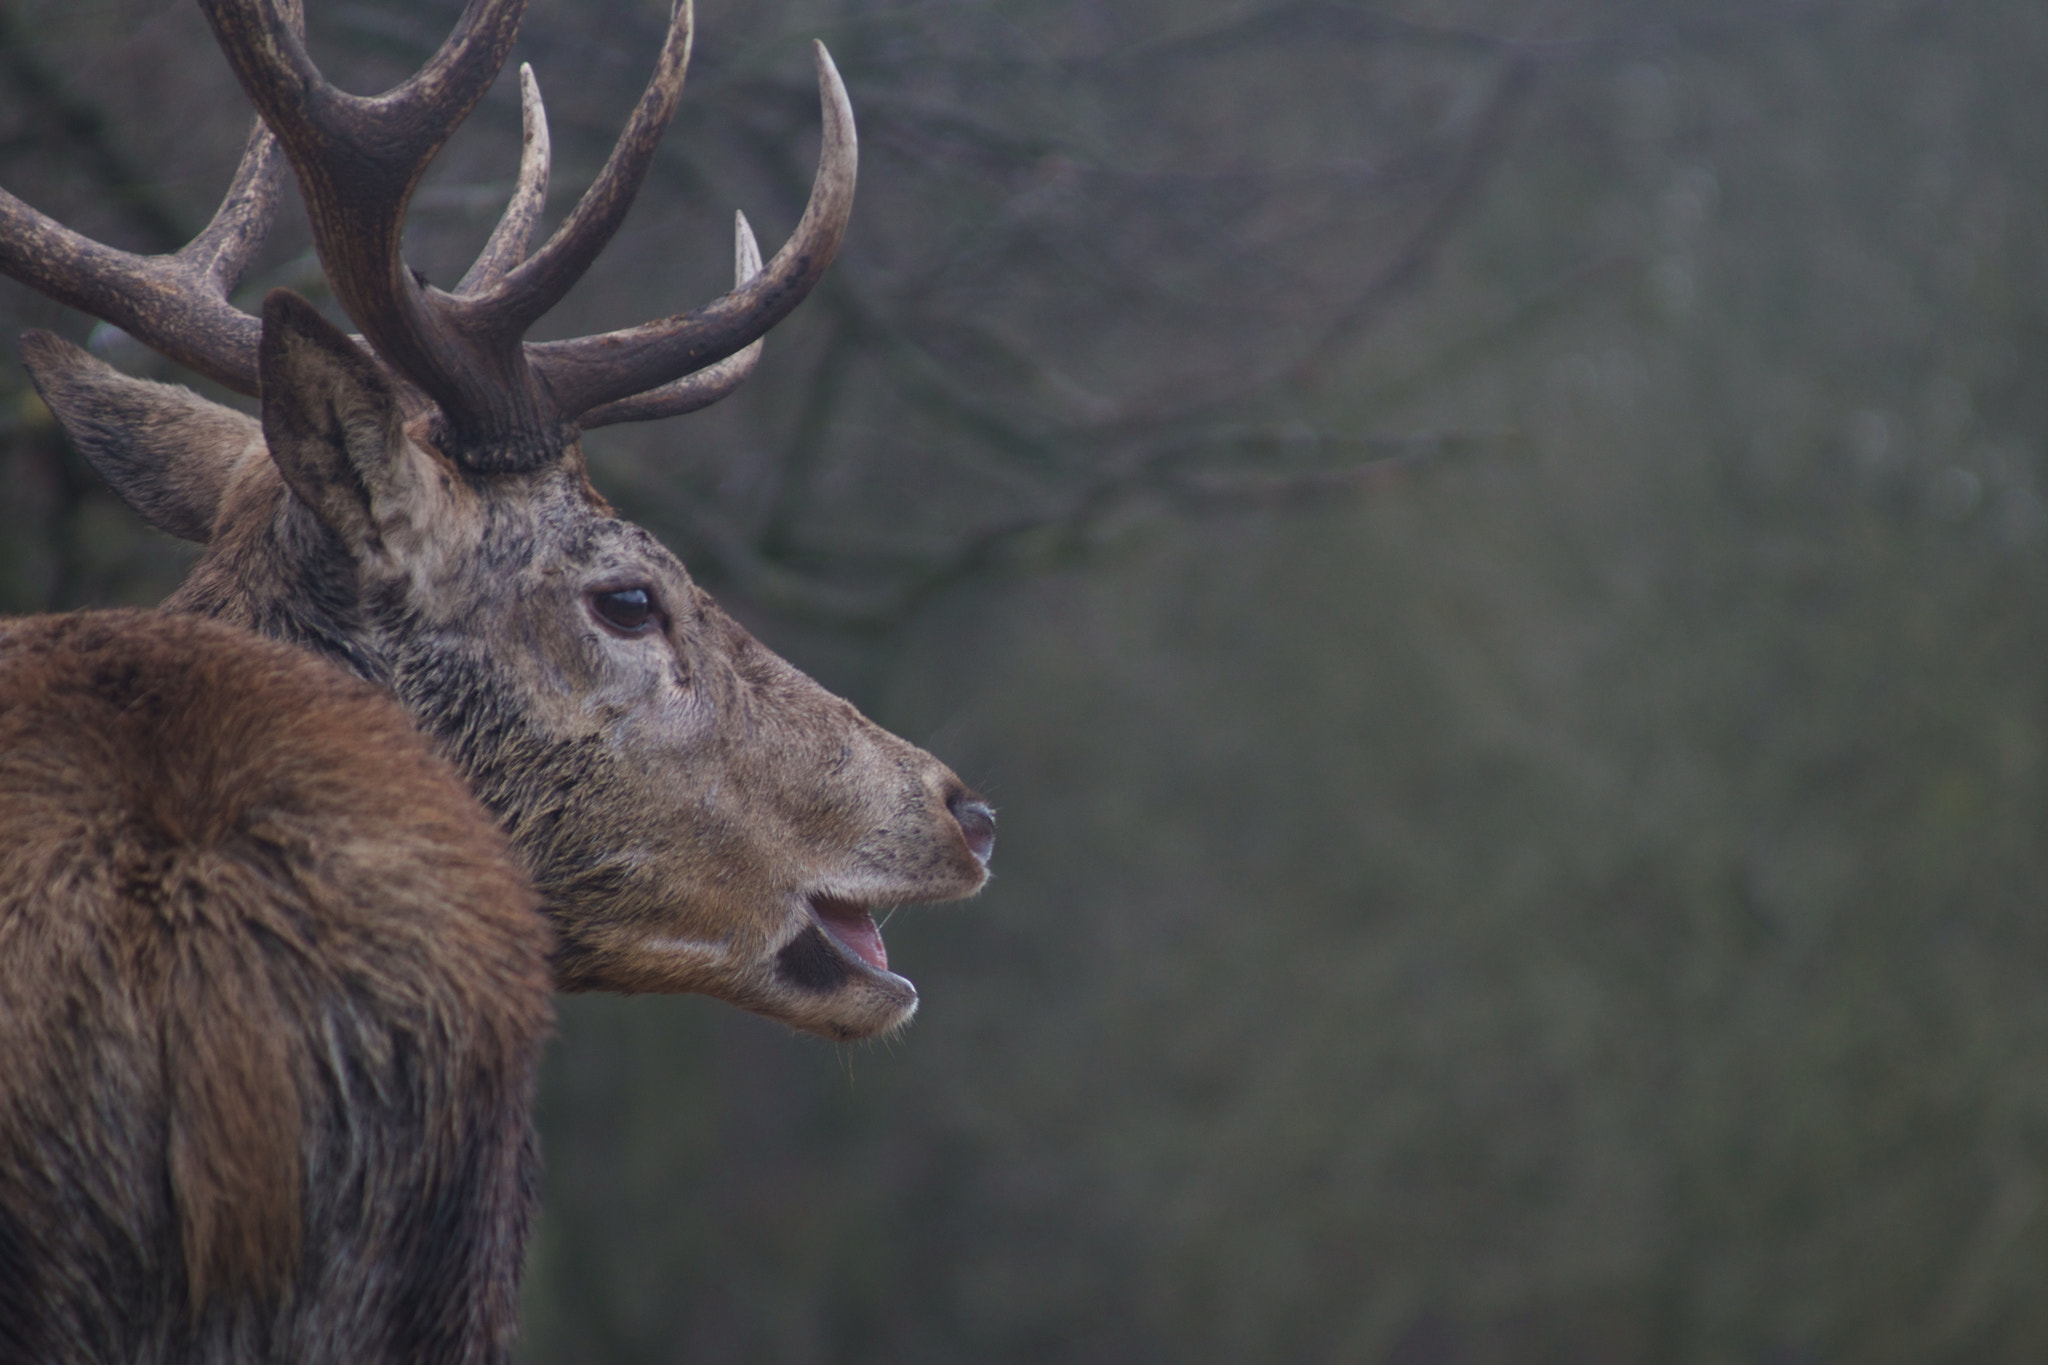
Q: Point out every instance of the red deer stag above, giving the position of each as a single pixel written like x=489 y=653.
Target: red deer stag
x=193 y=1165
x=696 y=814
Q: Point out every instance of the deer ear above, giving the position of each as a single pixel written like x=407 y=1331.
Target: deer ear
x=165 y=450
x=332 y=420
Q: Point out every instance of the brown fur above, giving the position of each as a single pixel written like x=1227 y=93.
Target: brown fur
x=271 y=984
x=271 y=999
x=683 y=800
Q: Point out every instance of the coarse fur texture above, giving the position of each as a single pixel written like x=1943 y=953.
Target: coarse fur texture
x=272 y=997
x=287 y=870
x=696 y=813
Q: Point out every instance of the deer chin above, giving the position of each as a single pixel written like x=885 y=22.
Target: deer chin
x=831 y=976
x=823 y=970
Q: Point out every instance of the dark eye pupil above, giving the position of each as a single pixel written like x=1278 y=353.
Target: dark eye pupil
x=628 y=608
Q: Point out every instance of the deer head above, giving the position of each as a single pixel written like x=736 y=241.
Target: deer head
x=696 y=813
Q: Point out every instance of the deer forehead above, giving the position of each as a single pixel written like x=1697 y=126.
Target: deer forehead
x=467 y=542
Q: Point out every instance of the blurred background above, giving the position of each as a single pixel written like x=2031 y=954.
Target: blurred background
x=1492 y=557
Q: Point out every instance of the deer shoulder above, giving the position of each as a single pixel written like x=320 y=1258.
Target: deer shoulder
x=272 y=995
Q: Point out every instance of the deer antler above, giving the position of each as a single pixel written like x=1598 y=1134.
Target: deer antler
x=703 y=387
x=175 y=304
x=507 y=248
x=504 y=404
x=589 y=372
x=514 y=233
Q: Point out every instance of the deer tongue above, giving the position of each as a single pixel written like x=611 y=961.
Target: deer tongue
x=854 y=927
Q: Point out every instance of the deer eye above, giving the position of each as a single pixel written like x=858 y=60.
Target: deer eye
x=626 y=609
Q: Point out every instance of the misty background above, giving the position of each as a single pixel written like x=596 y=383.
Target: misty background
x=1492 y=558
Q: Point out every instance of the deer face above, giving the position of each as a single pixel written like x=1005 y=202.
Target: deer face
x=696 y=813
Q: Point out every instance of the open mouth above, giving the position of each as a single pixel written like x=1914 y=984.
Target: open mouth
x=854 y=927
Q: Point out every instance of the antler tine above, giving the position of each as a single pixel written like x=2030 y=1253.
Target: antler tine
x=514 y=233
x=587 y=374
x=358 y=159
x=177 y=304
x=249 y=208
x=539 y=283
x=702 y=389
x=243 y=220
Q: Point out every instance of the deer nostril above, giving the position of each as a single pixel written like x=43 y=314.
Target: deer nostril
x=978 y=823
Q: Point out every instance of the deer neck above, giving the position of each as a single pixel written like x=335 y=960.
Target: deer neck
x=273 y=568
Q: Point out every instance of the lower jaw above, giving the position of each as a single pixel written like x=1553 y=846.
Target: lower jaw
x=865 y=1007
